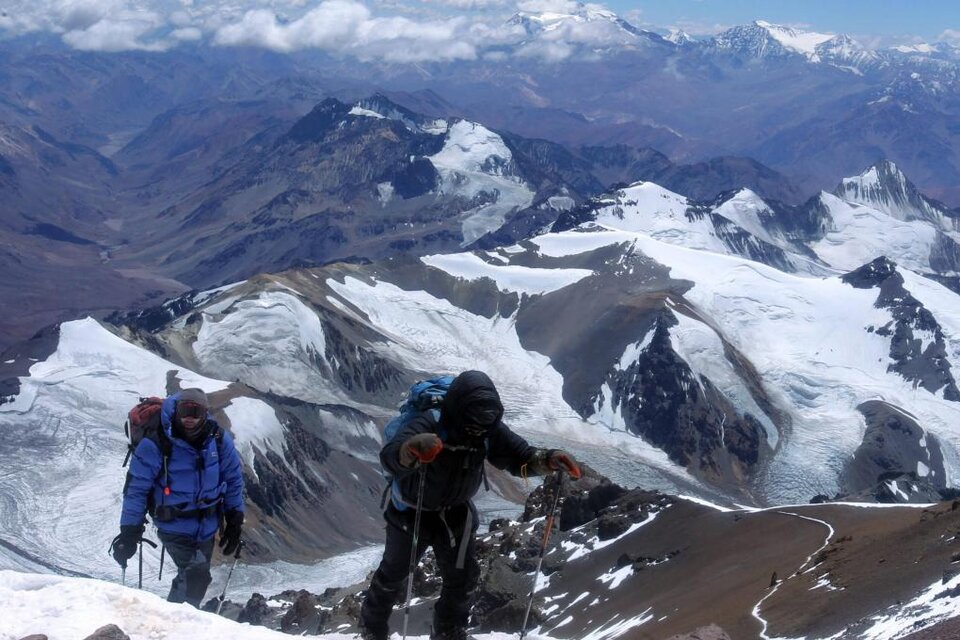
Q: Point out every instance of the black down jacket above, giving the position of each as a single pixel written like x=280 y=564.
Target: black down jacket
x=457 y=473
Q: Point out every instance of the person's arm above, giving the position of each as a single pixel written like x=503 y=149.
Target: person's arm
x=511 y=452
x=231 y=472
x=145 y=466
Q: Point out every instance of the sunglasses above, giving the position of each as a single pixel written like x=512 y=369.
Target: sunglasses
x=191 y=410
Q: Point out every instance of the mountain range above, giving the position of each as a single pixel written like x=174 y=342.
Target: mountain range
x=724 y=272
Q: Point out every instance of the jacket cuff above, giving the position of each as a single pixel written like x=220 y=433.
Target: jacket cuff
x=539 y=462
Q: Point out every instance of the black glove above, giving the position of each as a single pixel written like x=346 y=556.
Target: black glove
x=125 y=544
x=230 y=538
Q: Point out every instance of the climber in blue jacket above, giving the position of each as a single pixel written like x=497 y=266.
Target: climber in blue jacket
x=187 y=475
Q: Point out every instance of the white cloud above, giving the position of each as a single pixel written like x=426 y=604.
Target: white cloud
x=331 y=25
x=348 y=26
x=187 y=34
x=403 y=40
x=548 y=6
x=79 y=15
x=950 y=36
x=548 y=51
x=469 y=5
x=695 y=28
x=115 y=35
x=392 y=30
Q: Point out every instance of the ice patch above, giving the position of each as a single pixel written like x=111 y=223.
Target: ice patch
x=255 y=426
x=527 y=280
x=476 y=164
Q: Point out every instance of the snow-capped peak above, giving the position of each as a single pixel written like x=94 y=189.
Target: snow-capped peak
x=581 y=13
x=930 y=50
x=885 y=188
x=763 y=39
x=379 y=106
x=796 y=40
x=679 y=37
x=923 y=48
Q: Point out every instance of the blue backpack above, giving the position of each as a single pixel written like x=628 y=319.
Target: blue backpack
x=424 y=397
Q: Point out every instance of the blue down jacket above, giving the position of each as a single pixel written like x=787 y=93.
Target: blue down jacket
x=199 y=478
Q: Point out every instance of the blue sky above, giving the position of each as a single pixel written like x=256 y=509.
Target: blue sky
x=925 y=18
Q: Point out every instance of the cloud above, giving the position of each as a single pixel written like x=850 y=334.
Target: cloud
x=549 y=51
x=548 y=6
x=80 y=15
x=115 y=35
x=391 y=30
x=346 y=26
x=469 y=5
x=187 y=34
x=950 y=36
x=331 y=25
x=696 y=28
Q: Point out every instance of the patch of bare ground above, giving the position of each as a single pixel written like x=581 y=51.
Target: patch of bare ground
x=712 y=632
x=716 y=567
x=877 y=558
x=946 y=630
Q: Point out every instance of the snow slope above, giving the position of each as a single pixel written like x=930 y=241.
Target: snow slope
x=476 y=164
x=63 y=444
x=807 y=339
x=71 y=608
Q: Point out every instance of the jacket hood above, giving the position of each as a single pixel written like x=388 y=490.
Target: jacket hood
x=167 y=418
x=470 y=387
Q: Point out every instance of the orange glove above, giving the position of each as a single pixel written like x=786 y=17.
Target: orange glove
x=561 y=460
x=422 y=448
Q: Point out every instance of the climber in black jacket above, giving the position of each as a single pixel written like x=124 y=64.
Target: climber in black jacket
x=472 y=431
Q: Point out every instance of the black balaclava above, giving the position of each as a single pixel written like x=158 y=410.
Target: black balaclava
x=472 y=405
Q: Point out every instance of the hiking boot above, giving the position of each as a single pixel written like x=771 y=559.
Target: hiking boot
x=367 y=633
x=449 y=633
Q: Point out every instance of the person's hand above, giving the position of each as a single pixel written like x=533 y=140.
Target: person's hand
x=561 y=460
x=422 y=448
x=124 y=546
x=230 y=538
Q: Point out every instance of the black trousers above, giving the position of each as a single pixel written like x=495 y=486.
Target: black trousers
x=444 y=531
x=192 y=559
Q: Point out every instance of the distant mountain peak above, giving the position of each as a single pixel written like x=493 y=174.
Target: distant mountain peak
x=536 y=23
x=380 y=106
x=679 y=37
x=762 y=39
x=885 y=187
x=796 y=40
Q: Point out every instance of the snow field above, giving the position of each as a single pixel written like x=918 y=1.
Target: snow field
x=807 y=338
x=472 y=163
x=273 y=340
x=71 y=608
x=65 y=443
x=507 y=277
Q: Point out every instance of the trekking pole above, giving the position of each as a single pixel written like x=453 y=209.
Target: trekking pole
x=152 y=544
x=223 y=594
x=543 y=548
x=413 y=549
x=123 y=575
x=163 y=552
